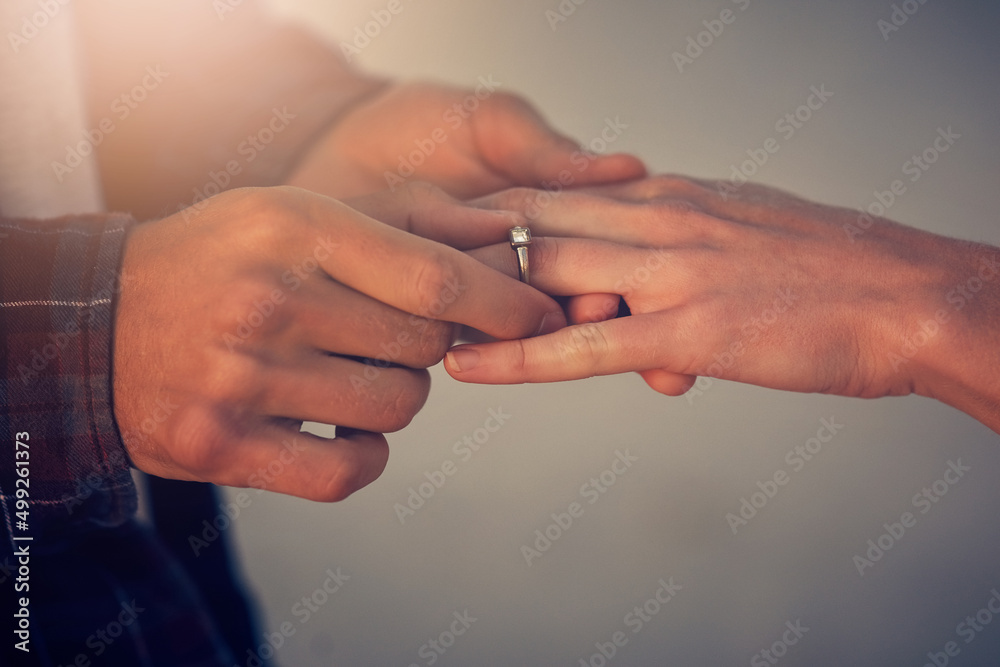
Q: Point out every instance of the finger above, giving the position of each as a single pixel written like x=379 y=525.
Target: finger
x=430 y=280
x=660 y=187
x=586 y=215
x=334 y=318
x=592 y=308
x=285 y=460
x=373 y=396
x=665 y=382
x=588 y=168
x=519 y=143
x=426 y=210
x=568 y=267
x=748 y=203
x=637 y=343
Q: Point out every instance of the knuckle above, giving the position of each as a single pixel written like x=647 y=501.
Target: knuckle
x=268 y=218
x=335 y=490
x=436 y=284
x=247 y=309
x=358 y=465
x=669 y=215
x=421 y=190
x=201 y=442
x=663 y=185
x=515 y=324
x=654 y=187
x=677 y=185
x=519 y=199
x=433 y=343
x=595 y=344
x=680 y=209
x=519 y=357
x=588 y=345
x=232 y=379
x=343 y=483
x=402 y=401
x=262 y=219
x=262 y=203
x=543 y=254
x=703 y=330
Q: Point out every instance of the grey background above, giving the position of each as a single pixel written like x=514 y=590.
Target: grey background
x=665 y=517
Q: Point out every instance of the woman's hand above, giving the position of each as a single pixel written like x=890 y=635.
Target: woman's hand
x=755 y=286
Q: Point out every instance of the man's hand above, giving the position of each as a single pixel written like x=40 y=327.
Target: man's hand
x=468 y=142
x=755 y=286
x=276 y=306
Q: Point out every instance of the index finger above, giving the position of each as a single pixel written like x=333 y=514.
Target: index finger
x=429 y=279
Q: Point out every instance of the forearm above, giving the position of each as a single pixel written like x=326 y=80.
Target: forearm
x=237 y=100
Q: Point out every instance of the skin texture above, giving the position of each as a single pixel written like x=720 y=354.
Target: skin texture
x=503 y=142
x=213 y=376
x=241 y=320
x=753 y=285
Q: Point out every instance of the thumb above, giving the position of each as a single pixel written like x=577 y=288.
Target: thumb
x=517 y=142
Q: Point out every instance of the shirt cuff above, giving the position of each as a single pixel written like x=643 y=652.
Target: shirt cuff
x=59 y=282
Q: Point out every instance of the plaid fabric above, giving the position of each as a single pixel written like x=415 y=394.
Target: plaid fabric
x=57 y=287
x=102 y=588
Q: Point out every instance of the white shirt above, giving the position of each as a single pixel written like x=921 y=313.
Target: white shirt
x=42 y=114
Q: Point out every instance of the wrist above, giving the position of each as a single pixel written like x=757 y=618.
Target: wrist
x=962 y=368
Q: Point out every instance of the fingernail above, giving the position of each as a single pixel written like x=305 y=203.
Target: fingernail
x=551 y=322
x=463 y=359
x=611 y=306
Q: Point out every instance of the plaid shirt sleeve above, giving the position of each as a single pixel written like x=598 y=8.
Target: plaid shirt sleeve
x=58 y=285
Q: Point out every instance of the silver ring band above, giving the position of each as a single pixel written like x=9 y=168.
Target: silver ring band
x=520 y=239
